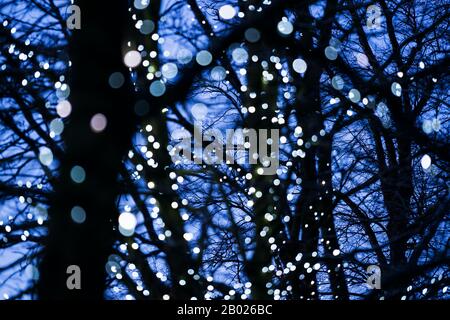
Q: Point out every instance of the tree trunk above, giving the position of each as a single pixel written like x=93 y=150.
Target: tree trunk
x=96 y=51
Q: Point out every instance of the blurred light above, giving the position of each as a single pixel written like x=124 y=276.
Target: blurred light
x=425 y=162
x=78 y=214
x=63 y=108
x=240 y=55
x=98 y=122
x=45 y=156
x=285 y=27
x=203 y=58
x=127 y=223
x=169 y=70
x=299 y=65
x=132 y=59
x=116 y=80
x=78 y=174
x=157 y=88
x=227 y=12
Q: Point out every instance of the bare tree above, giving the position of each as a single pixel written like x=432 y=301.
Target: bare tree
x=356 y=90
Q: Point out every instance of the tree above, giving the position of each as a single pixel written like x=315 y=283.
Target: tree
x=355 y=89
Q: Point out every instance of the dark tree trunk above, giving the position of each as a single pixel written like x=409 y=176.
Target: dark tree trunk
x=305 y=225
x=96 y=51
x=335 y=265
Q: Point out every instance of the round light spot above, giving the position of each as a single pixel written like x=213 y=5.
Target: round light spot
x=337 y=82
x=98 y=122
x=127 y=220
x=184 y=56
x=203 y=58
x=227 y=12
x=141 y=4
x=188 y=236
x=132 y=59
x=127 y=223
x=396 y=89
x=57 y=126
x=285 y=27
x=45 y=156
x=77 y=174
x=252 y=35
x=169 y=70
x=157 y=88
x=331 y=53
x=335 y=43
x=354 y=95
x=239 y=55
x=218 y=73
x=63 y=108
x=147 y=27
x=299 y=65
x=199 y=111
x=78 y=214
x=425 y=162
x=63 y=92
x=427 y=126
x=116 y=80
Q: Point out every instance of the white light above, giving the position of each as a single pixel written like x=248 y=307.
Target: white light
x=45 y=156
x=240 y=55
x=132 y=59
x=141 y=4
x=227 y=12
x=285 y=27
x=354 y=95
x=299 y=65
x=203 y=58
x=169 y=70
x=98 y=122
x=425 y=162
x=218 y=73
x=199 y=111
x=396 y=89
x=127 y=223
x=188 y=236
x=64 y=108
